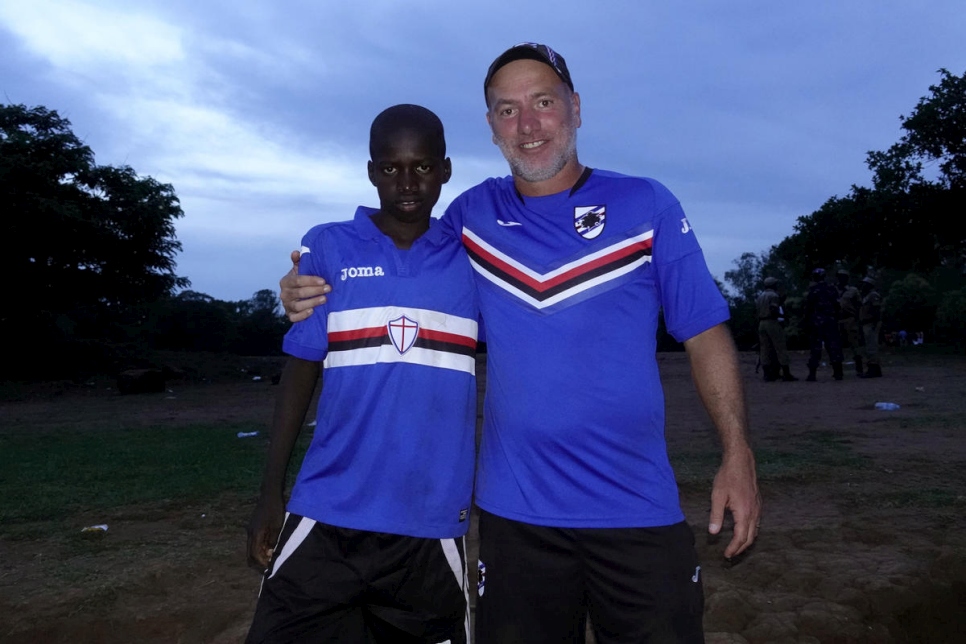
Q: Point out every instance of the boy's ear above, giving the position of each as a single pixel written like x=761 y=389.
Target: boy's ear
x=372 y=173
x=447 y=169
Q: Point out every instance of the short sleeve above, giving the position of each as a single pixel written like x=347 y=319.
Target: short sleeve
x=309 y=338
x=691 y=299
x=451 y=223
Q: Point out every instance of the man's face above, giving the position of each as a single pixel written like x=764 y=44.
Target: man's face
x=408 y=173
x=534 y=118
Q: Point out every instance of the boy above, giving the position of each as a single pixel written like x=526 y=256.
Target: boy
x=371 y=549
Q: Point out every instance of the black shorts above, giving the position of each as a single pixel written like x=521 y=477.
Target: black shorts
x=331 y=584
x=539 y=584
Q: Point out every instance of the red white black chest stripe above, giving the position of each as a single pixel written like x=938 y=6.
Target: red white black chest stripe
x=390 y=334
x=543 y=290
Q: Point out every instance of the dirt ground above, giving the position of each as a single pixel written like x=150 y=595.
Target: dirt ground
x=862 y=539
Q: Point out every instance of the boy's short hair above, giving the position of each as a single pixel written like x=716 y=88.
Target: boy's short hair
x=407 y=117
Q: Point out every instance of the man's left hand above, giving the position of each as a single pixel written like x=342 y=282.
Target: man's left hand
x=736 y=489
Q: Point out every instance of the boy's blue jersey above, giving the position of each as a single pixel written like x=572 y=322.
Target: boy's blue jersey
x=571 y=286
x=394 y=440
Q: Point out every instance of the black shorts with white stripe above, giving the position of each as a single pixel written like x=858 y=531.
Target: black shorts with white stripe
x=332 y=584
x=539 y=585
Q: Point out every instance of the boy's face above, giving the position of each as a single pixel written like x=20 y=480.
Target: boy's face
x=408 y=173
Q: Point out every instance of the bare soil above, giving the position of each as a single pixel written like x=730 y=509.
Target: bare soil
x=862 y=540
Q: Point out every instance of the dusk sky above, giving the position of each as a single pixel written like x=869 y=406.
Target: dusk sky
x=752 y=113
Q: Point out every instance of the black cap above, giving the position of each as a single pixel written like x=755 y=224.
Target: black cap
x=530 y=51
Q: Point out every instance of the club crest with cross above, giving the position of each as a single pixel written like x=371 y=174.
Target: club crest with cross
x=403 y=331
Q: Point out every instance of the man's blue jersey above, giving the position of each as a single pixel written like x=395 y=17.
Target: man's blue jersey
x=394 y=439
x=571 y=286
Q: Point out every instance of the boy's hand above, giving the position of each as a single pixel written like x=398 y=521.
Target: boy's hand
x=263 y=531
x=301 y=293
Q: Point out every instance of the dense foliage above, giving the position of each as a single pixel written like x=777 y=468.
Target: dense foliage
x=906 y=230
x=89 y=254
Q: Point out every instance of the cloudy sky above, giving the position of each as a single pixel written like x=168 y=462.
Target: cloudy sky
x=753 y=113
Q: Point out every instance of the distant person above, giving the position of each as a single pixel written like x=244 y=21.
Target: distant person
x=371 y=548
x=870 y=316
x=850 y=330
x=580 y=510
x=771 y=334
x=821 y=321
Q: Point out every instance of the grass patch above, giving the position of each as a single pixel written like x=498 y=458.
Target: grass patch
x=924 y=498
x=50 y=476
x=932 y=421
x=810 y=457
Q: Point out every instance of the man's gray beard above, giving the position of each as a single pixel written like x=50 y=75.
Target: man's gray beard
x=520 y=168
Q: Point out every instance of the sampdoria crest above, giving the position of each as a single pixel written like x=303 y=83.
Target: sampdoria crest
x=589 y=220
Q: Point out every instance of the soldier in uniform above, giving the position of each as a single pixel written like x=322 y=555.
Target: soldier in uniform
x=870 y=317
x=771 y=334
x=849 y=330
x=821 y=320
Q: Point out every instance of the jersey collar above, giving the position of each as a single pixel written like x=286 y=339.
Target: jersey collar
x=368 y=230
x=577 y=186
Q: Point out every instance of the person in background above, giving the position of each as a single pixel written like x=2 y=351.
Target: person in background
x=821 y=321
x=771 y=334
x=870 y=317
x=850 y=331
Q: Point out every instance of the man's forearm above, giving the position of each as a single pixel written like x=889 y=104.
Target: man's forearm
x=294 y=398
x=714 y=369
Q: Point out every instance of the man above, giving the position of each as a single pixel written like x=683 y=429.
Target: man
x=771 y=334
x=821 y=320
x=870 y=317
x=849 y=331
x=580 y=512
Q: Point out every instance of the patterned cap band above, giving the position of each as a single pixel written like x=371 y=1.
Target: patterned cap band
x=530 y=51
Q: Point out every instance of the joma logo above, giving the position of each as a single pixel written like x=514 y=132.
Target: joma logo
x=362 y=271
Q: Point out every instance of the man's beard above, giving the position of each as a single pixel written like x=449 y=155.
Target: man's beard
x=532 y=173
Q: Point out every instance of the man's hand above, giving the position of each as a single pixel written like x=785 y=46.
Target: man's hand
x=263 y=531
x=301 y=293
x=736 y=488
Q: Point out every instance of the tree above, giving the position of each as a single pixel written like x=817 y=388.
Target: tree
x=746 y=281
x=935 y=132
x=83 y=242
x=910 y=218
x=951 y=318
x=261 y=327
x=910 y=304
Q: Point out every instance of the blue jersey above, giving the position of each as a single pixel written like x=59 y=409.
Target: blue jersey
x=570 y=289
x=394 y=444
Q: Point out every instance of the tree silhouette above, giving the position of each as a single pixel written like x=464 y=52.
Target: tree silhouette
x=82 y=243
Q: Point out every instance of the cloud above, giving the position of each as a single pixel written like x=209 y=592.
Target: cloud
x=258 y=113
x=79 y=36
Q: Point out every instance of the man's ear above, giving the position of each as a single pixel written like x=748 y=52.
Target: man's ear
x=577 y=107
x=447 y=170
x=372 y=173
x=489 y=122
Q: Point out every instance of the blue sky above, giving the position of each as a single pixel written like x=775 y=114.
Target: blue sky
x=752 y=113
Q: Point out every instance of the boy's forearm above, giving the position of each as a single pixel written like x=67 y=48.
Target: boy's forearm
x=294 y=398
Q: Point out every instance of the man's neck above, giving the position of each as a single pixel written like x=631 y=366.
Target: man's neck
x=563 y=180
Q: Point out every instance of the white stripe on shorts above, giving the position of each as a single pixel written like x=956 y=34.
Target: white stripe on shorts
x=459 y=571
x=301 y=531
